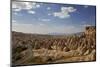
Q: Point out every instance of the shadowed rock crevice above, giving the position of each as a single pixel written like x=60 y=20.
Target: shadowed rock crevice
x=40 y=49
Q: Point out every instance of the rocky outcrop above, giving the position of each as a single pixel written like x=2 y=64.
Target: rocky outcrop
x=52 y=49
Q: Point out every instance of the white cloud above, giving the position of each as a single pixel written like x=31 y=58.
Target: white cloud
x=41 y=24
x=31 y=12
x=37 y=5
x=49 y=14
x=48 y=8
x=65 y=12
x=86 y=6
x=61 y=15
x=17 y=9
x=68 y=9
x=44 y=19
x=13 y=21
x=85 y=25
x=15 y=13
x=18 y=6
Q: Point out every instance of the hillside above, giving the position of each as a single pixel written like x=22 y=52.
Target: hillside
x=40 y=49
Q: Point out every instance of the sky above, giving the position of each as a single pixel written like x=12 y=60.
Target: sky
x=46 y=18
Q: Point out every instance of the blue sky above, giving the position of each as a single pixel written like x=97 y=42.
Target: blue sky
x=44 y=18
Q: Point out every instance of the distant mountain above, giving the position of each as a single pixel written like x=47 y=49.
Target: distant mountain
x=78 y=33
x=57 y=33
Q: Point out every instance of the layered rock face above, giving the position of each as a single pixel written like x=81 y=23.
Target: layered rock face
x=40 y=49
x=90 y=30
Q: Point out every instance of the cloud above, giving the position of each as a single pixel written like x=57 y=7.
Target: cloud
x=15 y=13
x=37 y=5
x=86 y=6
x=17 y=9
x=41 y=24
x=49 y=14
x=65 y=12
x=18 y=6
x=68 y=9
x=13 y=21
x=48 y=8
x=85 y=25
x=45 y=20
x=31 y=12
x=61 y=15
